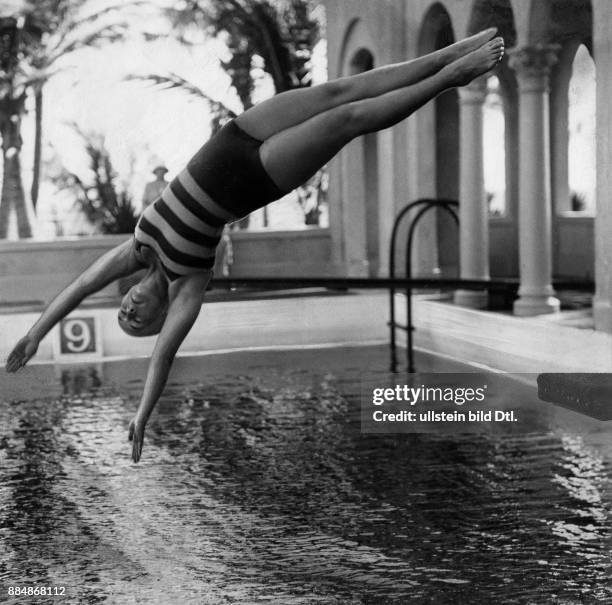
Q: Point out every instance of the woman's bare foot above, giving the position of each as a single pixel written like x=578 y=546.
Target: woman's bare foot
x=474 y=64
x=455 y=51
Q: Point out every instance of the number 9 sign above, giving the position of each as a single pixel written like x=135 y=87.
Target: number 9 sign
x=77 y=335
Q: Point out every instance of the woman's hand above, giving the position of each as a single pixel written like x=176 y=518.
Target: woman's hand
x=136 y=436
x=23 y=351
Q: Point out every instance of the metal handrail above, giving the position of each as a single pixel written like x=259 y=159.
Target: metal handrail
x=424 y=206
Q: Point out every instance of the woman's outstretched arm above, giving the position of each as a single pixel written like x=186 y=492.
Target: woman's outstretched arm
x=186 y=298
x=116 y=263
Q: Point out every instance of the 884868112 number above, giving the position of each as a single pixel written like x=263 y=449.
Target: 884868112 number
x=30 y=591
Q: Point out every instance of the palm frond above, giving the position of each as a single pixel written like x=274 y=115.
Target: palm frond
x=70 y=25
x=170 y=81
x=38 y=77
x=97 y=15
x=176 y=82
x=155 y=36
x=182 y=19
x=106 y=34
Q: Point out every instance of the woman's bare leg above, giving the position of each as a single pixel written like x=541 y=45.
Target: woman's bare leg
x=292 y=156
x=293 y=107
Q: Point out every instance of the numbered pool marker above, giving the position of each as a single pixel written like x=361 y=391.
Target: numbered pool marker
x=78 y=337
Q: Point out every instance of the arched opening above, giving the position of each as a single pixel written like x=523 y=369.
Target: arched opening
x=447 y=166
x=494 y=14
x=500 y=141
x=581 y=127
x=363 y=60
x=447 y=127
x=356 y=218
x=573 y=136
x=494 y=161
x=573 y=110
x=441 y=160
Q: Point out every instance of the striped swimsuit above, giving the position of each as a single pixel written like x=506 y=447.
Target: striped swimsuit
x=224 y=181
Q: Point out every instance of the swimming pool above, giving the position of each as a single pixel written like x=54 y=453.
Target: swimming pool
x=257 y=486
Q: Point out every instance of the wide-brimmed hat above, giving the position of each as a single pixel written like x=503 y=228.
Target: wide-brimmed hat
x=160 y=168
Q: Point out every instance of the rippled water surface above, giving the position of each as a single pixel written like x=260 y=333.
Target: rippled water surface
x=257 y=486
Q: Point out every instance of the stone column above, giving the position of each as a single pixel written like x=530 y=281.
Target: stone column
x=532 y=66
x=473 y=211
x=602 y=51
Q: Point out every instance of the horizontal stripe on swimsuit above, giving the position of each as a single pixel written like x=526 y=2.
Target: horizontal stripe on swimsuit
x=224 y=181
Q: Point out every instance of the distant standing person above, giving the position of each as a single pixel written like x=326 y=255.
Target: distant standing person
x=153 y=190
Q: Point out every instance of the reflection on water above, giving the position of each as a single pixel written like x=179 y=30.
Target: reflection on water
x=257 y=486
x=76 y=380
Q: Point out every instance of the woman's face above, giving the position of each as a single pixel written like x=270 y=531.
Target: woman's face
x=142 y=311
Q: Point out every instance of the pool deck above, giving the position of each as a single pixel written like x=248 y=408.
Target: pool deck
x=285 y=321
x=563 y=342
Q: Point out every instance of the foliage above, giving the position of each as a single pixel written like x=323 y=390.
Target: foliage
x=65 y=29
x=312 y=195
x=578 y=201
x=278 y=36
x=105 y=203
x=41 y=33
x=282 y=33
x=220 y=112
x=33 y=39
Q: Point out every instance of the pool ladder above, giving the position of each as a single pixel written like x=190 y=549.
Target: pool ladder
x=420 y=208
